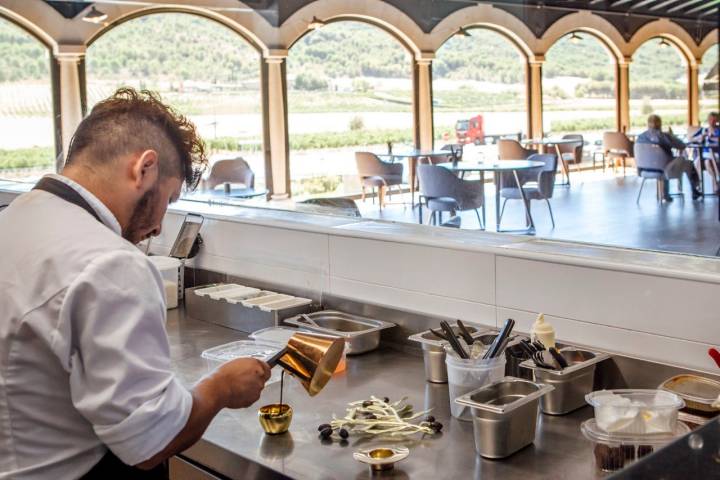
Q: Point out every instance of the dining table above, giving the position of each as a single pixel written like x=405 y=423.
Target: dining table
x=497 y=167
x=413 y=157
x=555 y=143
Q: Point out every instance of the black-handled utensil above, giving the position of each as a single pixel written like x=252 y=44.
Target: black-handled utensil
x=438 y=334
x=465 y=333
x=500 y=341
x=558 y=357
x=454 y=343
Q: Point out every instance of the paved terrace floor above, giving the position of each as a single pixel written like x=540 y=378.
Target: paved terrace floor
x=599 y=208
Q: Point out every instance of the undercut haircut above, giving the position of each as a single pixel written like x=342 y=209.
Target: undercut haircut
x=131 y=122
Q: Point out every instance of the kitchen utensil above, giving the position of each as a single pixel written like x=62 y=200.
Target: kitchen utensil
x=311 y=358
x=500 y=342
x=453 y=341
x=571 y=383
x=562 y=363
x=713 y=352
x=433 y=348
x=359 y=333
x=275 y=418
x=504 y=415
x=438 y=334
x=544 y=359
x=466 y=335
x=381 y=458
x=698 y=392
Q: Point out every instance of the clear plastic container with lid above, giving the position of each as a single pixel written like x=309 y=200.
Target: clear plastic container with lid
x=172 y=280
x=262 y=350
x=635 y=411
x=613 y=452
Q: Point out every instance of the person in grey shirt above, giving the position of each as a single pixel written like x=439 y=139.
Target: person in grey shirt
x=679 y=163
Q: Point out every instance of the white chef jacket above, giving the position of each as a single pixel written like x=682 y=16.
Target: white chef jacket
x=84 y=356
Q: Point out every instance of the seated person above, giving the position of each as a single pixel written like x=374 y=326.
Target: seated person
x=709 y=135
x=679 y=164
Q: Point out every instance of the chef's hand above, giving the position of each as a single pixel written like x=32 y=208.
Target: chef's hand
x=243 y=379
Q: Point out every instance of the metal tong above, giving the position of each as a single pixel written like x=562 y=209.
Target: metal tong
x=501 y=341
x=548 y=358
x=453 y=341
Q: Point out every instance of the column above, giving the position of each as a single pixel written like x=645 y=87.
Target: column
x=622 y=95
x=534 y=96
x=277 y=160
x=424 y=97
x=69 y=58
x=694 y=93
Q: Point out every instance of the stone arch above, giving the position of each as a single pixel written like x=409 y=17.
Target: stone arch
x=670 y=31
x=711 y=39
x=29 y=27
x=373 y=12
x=591 y=24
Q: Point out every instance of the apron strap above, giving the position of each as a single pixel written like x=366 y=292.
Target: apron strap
x=111 y=466
x=67 y=193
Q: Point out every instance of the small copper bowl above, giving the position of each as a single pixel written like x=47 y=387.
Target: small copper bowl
x=275 y=418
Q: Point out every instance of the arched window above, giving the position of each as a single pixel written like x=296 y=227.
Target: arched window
x=708 y=79
x=27 y=143
x=200 y=67
x=478 y=89
x=579 y=87
x=658 y=84
x=349 y=89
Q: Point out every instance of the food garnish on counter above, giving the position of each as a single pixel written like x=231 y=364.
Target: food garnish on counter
x=379 y=416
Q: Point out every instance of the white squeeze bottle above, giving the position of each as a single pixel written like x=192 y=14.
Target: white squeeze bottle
x=543 y=331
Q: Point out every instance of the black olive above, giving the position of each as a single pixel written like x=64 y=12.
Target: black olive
x=367 y=403
x=325 y=433
x=343 y=433
x=430 y=419
x=437 y=426
x=386 y=400
x=323 y=427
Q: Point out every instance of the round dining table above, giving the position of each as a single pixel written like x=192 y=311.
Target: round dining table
x=498 y=166
x=555 y=142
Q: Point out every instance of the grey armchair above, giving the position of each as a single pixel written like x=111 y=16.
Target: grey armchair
x=541 y=180
x=235 y=170
x=443 y=191
x=373 y=172
x=651 y=161
x=512 y=150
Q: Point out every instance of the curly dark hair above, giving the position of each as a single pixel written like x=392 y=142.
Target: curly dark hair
x=131 y=122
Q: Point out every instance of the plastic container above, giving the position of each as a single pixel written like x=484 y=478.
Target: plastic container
x=467 y=375
x=262 y=350
x=613 y=452
x=543 y=331
x=635 y=411
x=172 y=279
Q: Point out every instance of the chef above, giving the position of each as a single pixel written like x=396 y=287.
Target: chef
x=86 y=387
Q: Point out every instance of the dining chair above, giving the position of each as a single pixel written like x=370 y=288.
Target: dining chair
x=235 y=170
x=540 y=183
x=572 y=152
x=443 y=191
x=373 y=173
x=651 y=161
x=513 y=150
x=617 y=147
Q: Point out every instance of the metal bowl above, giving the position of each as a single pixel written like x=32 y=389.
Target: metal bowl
x=275 y=418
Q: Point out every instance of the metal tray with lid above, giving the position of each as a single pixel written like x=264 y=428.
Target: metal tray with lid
x=361 y=334
x=698 y=392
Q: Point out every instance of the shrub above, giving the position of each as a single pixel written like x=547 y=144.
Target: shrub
x=33 y=157
x=646 y=108
x=356 y=123
x=310 y=82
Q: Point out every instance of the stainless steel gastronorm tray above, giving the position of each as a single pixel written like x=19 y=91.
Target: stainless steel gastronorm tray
x=361 y=334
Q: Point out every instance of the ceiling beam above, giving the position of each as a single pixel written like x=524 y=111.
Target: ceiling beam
x=684 y=5
x=715 y=10
x=641 y=4
x=703 y=7
x=619 y=2
x=663 y=4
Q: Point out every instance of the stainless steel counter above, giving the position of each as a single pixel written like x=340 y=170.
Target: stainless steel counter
x=235 y=446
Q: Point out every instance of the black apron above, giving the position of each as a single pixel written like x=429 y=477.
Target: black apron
x=109 y=466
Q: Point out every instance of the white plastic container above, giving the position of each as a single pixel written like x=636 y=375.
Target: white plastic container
x=613 y=452
x=543 y=331
x=467 y=375
x=172 y=280
x=635 y=411
x=262 y=350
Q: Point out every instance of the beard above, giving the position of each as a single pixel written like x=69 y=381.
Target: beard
x=142 y=219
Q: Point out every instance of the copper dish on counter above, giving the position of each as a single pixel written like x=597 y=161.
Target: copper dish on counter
x=275 y=418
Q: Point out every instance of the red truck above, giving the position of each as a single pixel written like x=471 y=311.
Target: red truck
x=470 y=131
